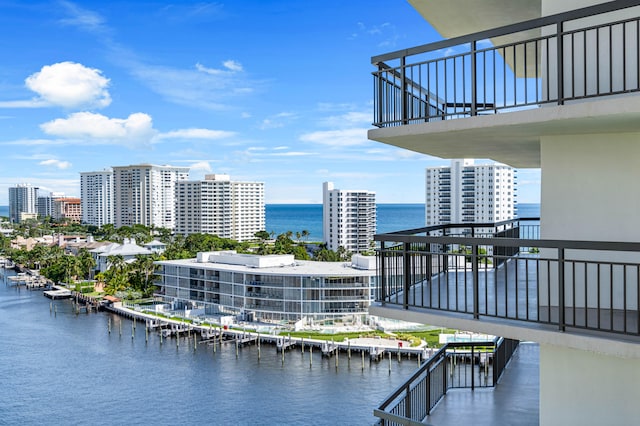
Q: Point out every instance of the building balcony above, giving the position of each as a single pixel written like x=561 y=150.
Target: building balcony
x=577 y=71
x=508 y=282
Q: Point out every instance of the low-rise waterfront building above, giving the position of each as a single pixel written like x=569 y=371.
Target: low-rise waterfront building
x=270 y=287
x=128 y=250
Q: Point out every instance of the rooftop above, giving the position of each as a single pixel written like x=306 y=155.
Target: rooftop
x=285 y=265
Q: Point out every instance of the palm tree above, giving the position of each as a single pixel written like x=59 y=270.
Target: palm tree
x=71 y=267
x=87 y=262
x=117 y=263
x=146 y=267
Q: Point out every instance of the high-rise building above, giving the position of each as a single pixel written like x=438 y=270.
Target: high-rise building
x=96 y=194
x=545 y=84
x=23 y=200
x=145 y=194
x=45 y=203
x=348 y=218
x=217 y=205
x=466 y=192
x=67 y=208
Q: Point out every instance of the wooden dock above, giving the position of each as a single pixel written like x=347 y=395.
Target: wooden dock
x=284 y=343
x=58 y=293
x=376 y=353
x=329 y=349
x=376 y=348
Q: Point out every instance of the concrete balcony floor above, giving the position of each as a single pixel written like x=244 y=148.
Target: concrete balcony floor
x=514 y=401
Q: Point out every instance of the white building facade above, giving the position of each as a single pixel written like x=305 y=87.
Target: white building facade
x=348 y=218
x=96 y=194
x=23 y=199
x=565 y=99
x=269 y=288
x=466 y=192
x=217 y=205
x=46 y=203
x=145 y=194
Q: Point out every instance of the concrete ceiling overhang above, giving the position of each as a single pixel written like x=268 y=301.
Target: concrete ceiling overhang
x=514 y=138
x=453 y=18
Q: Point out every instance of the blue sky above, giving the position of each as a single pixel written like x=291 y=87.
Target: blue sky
x=272 y=91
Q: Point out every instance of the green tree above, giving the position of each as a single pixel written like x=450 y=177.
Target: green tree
x=87 y=263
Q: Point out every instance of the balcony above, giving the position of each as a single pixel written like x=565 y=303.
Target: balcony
x=576 y=70
x=483 y=275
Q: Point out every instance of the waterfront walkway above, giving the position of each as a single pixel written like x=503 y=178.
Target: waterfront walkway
x=514 y=401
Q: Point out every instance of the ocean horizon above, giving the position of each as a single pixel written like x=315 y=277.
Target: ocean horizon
x=281 y=218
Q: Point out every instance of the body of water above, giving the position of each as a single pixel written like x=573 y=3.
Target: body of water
x=57 y=367
x=281 y=218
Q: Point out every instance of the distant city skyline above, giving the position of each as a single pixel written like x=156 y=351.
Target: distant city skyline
x=278 y=92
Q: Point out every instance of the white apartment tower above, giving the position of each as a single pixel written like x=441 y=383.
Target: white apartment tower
x=46 y=203
x=470 y=193
x=23 y=199
x=217 y=205
x=348 y=218
x=144 y=194
x=96 y=194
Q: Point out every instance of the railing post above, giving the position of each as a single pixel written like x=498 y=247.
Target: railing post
x=406 y=273
x=561 y=324
x=428 y=393
x=383 y=277
x=476 y=279
x=473 y=372
x=403 y=90
x=560 y=59
x=407 y=404
x=474 y=100
x=380 y=84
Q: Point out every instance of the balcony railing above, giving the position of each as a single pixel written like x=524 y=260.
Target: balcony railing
x=503 y=271
x=580 y=54
x=457 y=365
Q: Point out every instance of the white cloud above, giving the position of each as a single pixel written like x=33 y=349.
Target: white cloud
x=348 y=119
x=196 y=134
x=278 y=120
x=82 y=18
x=31 y=103
x=69 y=85
x=230 y=66
x=137 y=128
x=233 y=65
x=204 y=87
x=346 y=137
x=200 y=166
x=56 y=163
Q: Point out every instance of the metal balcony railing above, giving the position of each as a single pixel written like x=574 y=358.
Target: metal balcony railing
x=504 y=271
x=456 y=365
x=584 y=53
